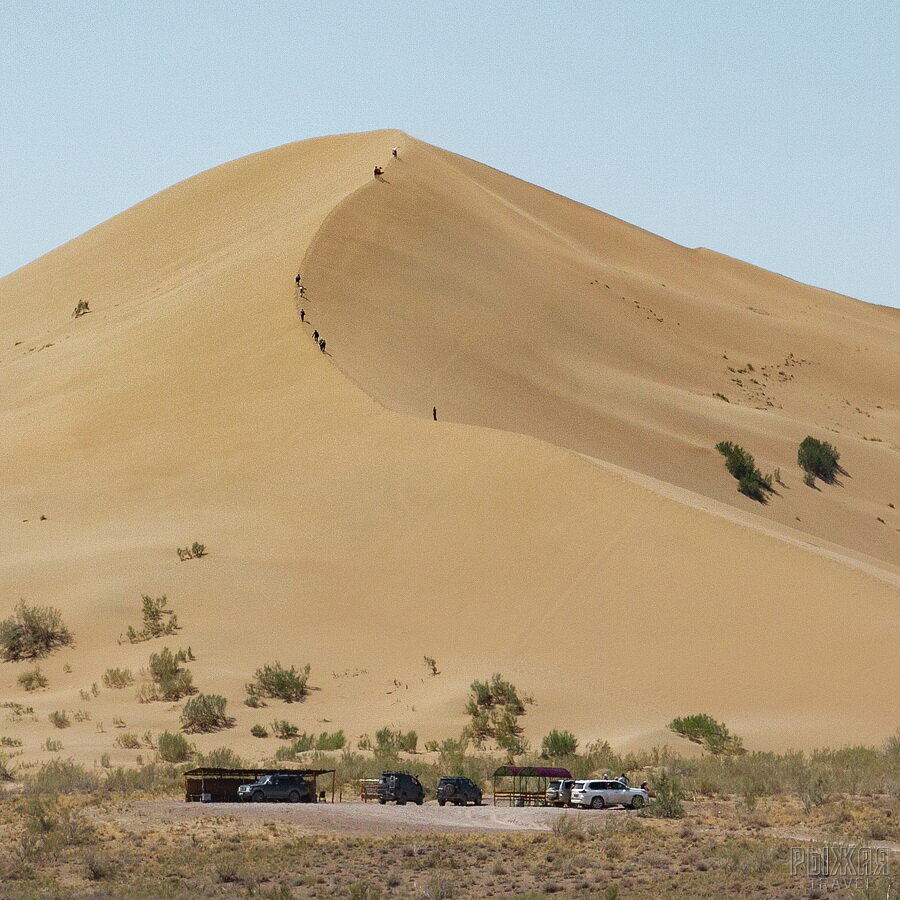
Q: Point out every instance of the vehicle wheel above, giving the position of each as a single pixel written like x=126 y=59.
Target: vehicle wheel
x=401 y=801
x=294 y=797
x=382 y=802
x=420 y=801
x=258 y=797
x=441 y=802
x=597 y=803
x=637 y=802
x=478 y=801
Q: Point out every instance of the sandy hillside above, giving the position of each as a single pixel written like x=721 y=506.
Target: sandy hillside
x=621 y=584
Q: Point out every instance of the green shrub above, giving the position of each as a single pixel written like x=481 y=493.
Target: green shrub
x=205 y=712
x=32 y=632
x=334 y=741
x=128 y=741
x=173 y=748
x=157 y=621
x=704 y=729
x=558 y=744
x=259 y=731
x=273 y=680
x=81 y=307
x=431 y=665
x=59 y=719
x=221 y=758
x=666 y=802
x=818 y=458
x=52 y=746
x=284 y=730
x=742 y=466
x=10 y=742
x=33 y=679
x=61 y=776
x=117 y=678
x=195 y=551
x=494 y=707
x=388 y=741
x=170 y=680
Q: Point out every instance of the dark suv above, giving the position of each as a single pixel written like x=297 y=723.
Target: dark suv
x=399 y=786
x=290 y=787
x=458 y=790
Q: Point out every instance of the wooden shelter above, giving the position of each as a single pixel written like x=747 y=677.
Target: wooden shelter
x=208 y=785
x=524 y=785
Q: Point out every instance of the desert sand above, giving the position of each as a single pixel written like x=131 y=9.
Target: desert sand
x=566 y=521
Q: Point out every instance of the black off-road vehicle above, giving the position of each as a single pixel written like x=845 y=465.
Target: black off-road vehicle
x=458 y=790
x=288 y=786
x=401 y=787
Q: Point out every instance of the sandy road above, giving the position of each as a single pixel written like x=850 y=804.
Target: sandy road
x=364 y=818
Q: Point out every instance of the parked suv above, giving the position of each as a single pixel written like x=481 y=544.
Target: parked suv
x=598 y=794
x=291 y=787
x=458 y=790
x=399 y=786
x=559 y=792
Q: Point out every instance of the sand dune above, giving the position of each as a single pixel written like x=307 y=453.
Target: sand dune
x=348 y=530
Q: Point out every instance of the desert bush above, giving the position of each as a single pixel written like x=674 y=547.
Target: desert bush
x=195 y=551
x=431 y=665
x=569 y=827
x=334 y=741
x=221 y=758
x=128 y=741
x=61 y=776
x=666 y=801
x=259 y=731
x=32 y=632
x=17 y=711
x=284 y=729
x=171 y=681
x=741 y=465
x=81 y=307
x=173 y=748
x=33 y=679
x=7 y=771
x=9 y=742
x=98 y=866
x=557 y=744
x=152 y=777
x=494 y=707
x=52 y=746
x=274 y=681
x=59 y=719
x=157 y=621
x=818 y=458
x=205 y=712
x=704 y=729
x=117 y=678
x=389 y=741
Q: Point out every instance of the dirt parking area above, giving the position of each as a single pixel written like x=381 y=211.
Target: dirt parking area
x=355 y=818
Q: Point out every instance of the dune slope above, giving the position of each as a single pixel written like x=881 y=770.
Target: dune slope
x=454 y=285
x=191 y=404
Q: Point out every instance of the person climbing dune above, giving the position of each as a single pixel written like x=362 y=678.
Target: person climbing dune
x=316 y=336
x=302 y=315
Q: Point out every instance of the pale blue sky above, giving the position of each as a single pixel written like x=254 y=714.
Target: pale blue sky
x=764 y=130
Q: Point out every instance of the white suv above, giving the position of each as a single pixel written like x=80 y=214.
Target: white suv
x=599 y=793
